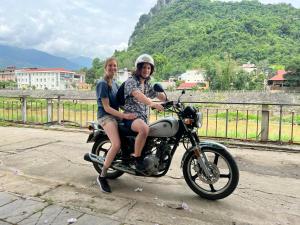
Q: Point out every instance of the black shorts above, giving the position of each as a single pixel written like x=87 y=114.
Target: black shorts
x=128 y=123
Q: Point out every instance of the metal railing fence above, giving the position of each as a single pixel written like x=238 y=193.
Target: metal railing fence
x=245 y=121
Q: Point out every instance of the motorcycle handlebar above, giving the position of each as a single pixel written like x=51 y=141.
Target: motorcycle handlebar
x=167 y=104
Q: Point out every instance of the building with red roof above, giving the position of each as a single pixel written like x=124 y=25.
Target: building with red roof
x=193 y=79
x=276 y=82
x=193 y=85
x=187 y=86
x=48 y=78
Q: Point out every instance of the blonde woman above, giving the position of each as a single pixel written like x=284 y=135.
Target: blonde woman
x=108 y=112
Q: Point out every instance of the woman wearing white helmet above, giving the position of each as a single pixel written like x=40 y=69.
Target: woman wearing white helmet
x=138 y=93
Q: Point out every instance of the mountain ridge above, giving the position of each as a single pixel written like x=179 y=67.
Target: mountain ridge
x=183 y=34
x=20 y=57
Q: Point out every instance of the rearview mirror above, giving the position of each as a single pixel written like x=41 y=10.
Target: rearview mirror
x=158 y=88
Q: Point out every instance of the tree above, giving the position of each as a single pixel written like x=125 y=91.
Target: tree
x=160 y=61
x=292 y=76
x=95 y=72
x=8 y=84
x=188 y=32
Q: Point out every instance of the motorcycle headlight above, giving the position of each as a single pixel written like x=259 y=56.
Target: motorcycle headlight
x=198 y=119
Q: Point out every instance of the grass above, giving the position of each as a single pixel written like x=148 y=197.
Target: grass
x=241 y=124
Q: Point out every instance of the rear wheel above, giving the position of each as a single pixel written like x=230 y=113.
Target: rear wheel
x=223 y=168
x=100 y=148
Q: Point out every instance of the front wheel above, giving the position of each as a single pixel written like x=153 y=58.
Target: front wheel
x=100 y=148
x=223 y=168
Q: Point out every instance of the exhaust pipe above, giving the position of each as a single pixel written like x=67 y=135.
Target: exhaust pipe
x=93 y=158
x=90 y=157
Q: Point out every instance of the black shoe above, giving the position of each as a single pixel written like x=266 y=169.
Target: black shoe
x=139 y=165
x=104 y=186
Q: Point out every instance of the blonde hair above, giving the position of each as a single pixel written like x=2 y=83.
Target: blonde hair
x=107 y=78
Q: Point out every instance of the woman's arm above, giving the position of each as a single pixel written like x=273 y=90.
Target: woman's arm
x=141 y=97
x=116 y=113
x=147 y=101
x=102 y=95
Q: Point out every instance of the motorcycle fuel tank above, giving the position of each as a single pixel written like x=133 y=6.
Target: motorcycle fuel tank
x=166 y=127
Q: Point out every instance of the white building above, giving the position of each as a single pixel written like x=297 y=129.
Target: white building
x=248 y=67
x=48 y=78
x=122 y=75
x=193 y=76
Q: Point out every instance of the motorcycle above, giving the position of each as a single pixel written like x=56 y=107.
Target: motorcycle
x=208 y=167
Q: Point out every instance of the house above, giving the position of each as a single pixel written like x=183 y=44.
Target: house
x=122 y=75
x=277 y=82
x=187 y=86
x=48 y=78
x=193 y=76
x=249 y=67
x=8 y=74
x=193 y=79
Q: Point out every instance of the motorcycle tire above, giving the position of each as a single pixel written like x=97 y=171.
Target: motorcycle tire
x=99 y=150
x=206 y=188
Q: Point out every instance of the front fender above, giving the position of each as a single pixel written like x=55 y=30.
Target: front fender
x=205 y=144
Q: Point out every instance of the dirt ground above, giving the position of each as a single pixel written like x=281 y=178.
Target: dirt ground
x=49 y=165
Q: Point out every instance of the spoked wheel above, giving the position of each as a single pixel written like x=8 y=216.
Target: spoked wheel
x=100 y=148
x=225 y=174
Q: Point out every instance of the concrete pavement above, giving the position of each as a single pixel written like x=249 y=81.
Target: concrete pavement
x=44 y=180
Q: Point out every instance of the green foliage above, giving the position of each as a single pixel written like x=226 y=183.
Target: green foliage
x=8 y=84
x=232 y=116
x=95 y=72
x=217 y=36
x=293 y=75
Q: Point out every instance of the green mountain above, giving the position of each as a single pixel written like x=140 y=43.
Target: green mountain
x=186 y=34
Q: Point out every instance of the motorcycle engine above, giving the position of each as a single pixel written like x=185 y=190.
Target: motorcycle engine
x=157 y=161
x=151 y=163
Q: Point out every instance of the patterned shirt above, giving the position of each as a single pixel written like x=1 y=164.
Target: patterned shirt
x=132 y=105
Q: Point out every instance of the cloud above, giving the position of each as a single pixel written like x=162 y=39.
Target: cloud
x=94 y=28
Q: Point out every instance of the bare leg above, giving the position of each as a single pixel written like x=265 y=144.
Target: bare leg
x=142 y=129
x=111 y=129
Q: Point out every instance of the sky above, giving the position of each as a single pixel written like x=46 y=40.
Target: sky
x=70 y=28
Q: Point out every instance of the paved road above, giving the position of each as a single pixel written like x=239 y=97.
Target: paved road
x=44 y=180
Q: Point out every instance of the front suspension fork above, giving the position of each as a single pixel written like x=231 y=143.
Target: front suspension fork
x=202 y=161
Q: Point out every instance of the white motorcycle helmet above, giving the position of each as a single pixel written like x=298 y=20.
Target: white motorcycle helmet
x=145 y=58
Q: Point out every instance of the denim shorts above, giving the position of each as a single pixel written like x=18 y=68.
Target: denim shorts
x=128 y=123
x=107 y=119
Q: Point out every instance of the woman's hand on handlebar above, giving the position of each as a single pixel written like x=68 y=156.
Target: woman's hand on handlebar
x=157 y=106
x=167 y=104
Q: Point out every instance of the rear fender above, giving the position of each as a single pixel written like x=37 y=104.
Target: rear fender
x=95 y=135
